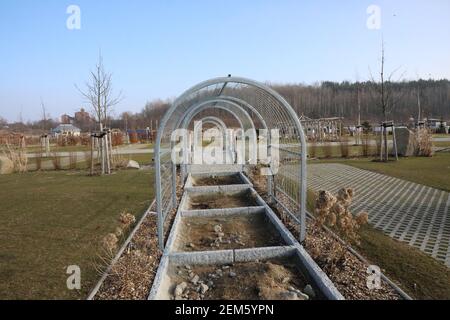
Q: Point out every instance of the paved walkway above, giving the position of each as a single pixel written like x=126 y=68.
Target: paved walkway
x=406 y=211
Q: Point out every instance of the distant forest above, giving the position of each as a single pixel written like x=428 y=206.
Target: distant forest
x=331 y=99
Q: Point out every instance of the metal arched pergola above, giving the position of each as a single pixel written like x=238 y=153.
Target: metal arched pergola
x=255 y=106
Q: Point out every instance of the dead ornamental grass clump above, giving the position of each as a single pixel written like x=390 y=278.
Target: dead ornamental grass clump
x=345 y=148
x=56 y=160
x=17 y=155
x=72 y=160
x=327 y=150
x=313 y=149
x=111 y=240
x=333 y=211
x=423 y=143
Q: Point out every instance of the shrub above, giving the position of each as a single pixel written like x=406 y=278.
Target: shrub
x=345 y=149
x=327 y=150
x=116 y=139
x=72 y=160
x=87 y=159
x=313 y=150
x=133 y=137
x=365 y=145
x=38 y=160
x=56 y=160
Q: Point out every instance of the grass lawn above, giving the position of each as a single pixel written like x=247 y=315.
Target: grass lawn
x=431 y=171
x=51 y=220
x=141 y=158
x=442 y=144
x=419 y=275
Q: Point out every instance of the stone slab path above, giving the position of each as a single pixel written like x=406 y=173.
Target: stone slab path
x=406 y=211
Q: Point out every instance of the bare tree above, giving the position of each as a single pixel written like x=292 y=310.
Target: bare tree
x=385 y=96
x=99 y=93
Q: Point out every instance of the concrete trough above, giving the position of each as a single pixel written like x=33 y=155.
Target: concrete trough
x=168 y=276
x=217 y=182
x=219 y=197
x=250 y=227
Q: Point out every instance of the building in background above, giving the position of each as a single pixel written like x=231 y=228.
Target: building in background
x=66 y=130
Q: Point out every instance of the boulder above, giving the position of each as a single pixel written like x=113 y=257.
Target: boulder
x=405 y=141
x=133 y=165
x=6 y=165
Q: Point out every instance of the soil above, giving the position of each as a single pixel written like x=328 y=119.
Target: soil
x=271 y=280
x=218 y=180
x=222 y=200
x=236 y=232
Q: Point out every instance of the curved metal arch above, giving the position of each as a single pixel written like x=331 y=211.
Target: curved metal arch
x=196 y=109
x=214 y=120
x=291 y=115
x=247 y=105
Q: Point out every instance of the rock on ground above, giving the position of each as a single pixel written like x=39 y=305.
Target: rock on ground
x=133 y=165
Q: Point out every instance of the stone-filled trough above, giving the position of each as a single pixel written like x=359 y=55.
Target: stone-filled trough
x=218 y=231
x=239 y=275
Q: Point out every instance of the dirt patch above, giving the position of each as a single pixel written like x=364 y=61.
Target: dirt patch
x=218 y=180
x=222 y=200
x=270 y=280
x=227 y=232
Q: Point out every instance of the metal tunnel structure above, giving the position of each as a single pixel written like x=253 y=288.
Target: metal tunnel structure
x=251 y=108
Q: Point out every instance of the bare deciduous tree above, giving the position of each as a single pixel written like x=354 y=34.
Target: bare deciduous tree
x=99 y=93
x=384 y=95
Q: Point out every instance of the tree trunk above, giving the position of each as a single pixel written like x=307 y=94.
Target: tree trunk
x=385 y=144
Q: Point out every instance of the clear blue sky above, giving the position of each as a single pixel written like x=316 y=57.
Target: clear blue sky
x=157 y=49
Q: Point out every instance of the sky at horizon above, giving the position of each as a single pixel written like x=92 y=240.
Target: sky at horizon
x=158 y=49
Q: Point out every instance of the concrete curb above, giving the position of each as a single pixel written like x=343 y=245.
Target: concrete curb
x=222 y=212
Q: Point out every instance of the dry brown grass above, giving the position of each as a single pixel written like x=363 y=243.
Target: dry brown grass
x=423 y=143
x=17 y=155
x=345 y=148
x=313 y=150
x=56 y=160
x=327 y=150
x=72 y=160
